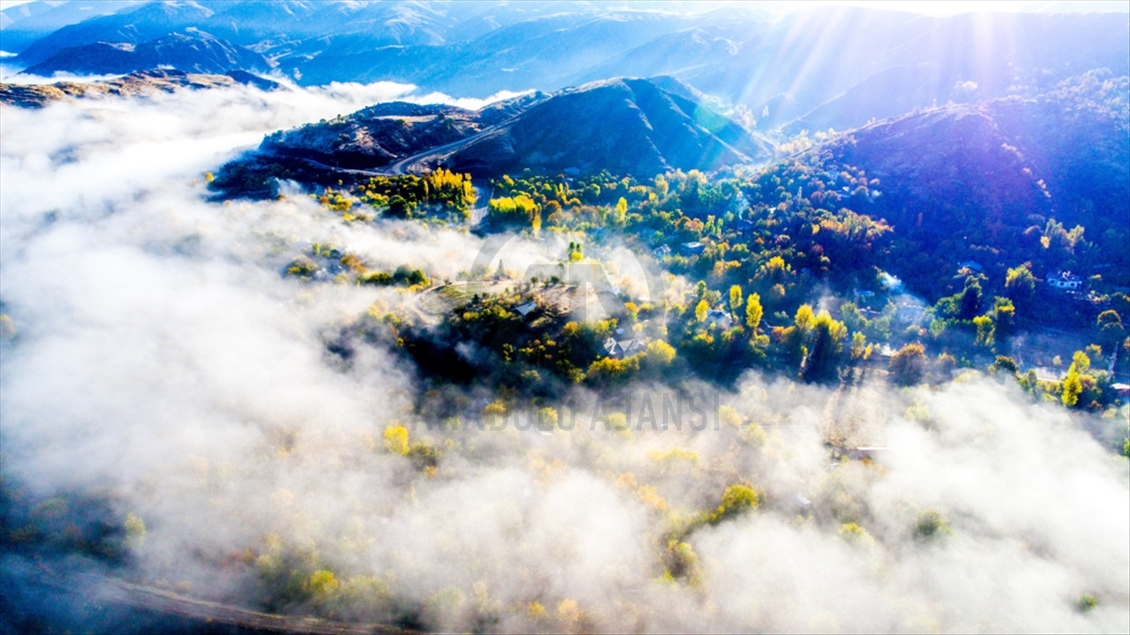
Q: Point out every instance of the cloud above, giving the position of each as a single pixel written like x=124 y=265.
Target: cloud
x=161 y=358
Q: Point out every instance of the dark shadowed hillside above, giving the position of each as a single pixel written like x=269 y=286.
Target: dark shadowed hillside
x=964 y=177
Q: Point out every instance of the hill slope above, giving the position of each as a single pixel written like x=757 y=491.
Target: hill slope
x=624 y=126
x=965 y=176
x=628 y=126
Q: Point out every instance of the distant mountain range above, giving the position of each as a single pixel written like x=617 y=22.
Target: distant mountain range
x=191 y=51
x=827 y=67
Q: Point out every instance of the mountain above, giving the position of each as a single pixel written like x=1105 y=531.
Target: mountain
x=134 y=25
x=626 y=126
x=23 y=24
x=997 y=173
x=965 y=58
x=376 y=136
x=139 y=83
x=191 y=51
x=830 y=67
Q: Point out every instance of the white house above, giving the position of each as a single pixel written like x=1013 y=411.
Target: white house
x=1064 y=280
x=720 y=319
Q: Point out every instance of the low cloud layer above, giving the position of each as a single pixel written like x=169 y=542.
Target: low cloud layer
x=160 y=356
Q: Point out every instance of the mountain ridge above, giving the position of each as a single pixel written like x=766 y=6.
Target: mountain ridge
x=139 y=83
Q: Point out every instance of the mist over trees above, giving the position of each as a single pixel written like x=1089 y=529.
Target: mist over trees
x=872 y=383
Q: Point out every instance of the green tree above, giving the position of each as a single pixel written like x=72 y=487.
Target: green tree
x=1004 y=317
x=1020 y=285
x=969 y=300
x=1005 y=363
x=826 y=345
x=1111 y=330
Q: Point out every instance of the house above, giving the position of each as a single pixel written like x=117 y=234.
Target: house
x=612 y=349
x=526 y=308
x=720 y=319
x=631 y=347
x=971 y=265
x=623 y=348
x=910 y=312
x=1122 y=390
x=661 y=251
x=691 y=249
x=863 y=294
x=866 y=452
x=1064 y=280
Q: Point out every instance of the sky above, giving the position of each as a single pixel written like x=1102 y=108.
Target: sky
x=935 y=7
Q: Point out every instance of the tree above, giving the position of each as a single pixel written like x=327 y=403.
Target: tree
x=805 y=319
x=827 y=343
x=753 y=312
x=701 y=310
x=735 y=299
x=660 y=353
x=908 y=365
x=985 y=330
x=1004 y=316
x=1080 y=362
x=969 y=301
x=1020 y=285
x=1072 y=388
x=396 y=439
x=398 y=207
x=1005 y=363
x=1111 y=330
x=735 y=500
x=621 y=211
x=860 y=349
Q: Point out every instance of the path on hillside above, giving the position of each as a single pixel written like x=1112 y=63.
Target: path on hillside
x=401 y=167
